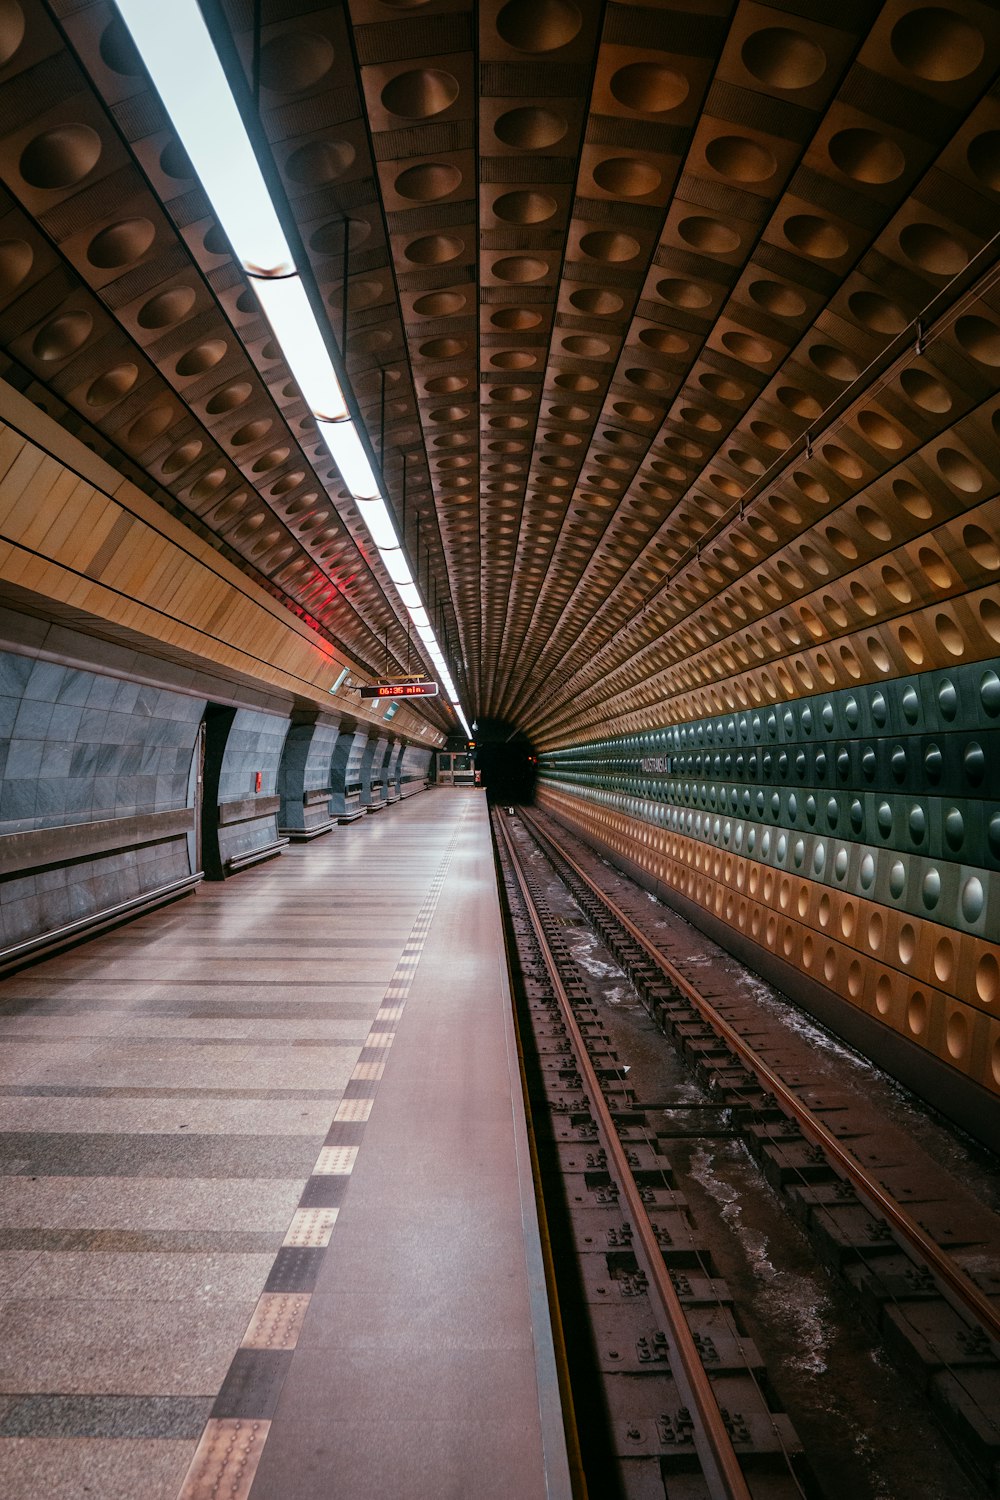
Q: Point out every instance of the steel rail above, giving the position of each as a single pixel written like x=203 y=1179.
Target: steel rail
x=940 y=1262
x=721 y=1467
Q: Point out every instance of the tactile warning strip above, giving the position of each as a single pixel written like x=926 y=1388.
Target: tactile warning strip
x=226 y=1459
x=276 y=1321
x=311 y=1227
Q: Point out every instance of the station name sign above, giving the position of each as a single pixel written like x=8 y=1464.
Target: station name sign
x=655 y=763
x=400 y=690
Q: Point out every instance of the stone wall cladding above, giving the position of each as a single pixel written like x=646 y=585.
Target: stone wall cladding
x=255 y=743
x=77 y=747
x=306 y=766
x=414 y=767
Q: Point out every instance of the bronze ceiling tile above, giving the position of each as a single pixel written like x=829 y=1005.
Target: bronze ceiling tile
x=609 y=271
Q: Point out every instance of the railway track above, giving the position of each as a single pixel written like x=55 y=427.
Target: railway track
x=716 y=1436
x=904 y=1254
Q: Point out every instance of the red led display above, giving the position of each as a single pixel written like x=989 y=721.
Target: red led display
x=400 y=690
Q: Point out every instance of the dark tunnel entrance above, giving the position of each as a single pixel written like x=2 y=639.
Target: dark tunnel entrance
x=506 y=759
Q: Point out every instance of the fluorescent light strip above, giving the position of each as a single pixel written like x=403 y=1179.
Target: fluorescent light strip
x=287 y=309
x=351 y=459
x=399 y=570
x=181 y=59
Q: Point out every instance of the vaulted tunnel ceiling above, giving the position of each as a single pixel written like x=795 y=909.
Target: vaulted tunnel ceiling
x=676 y=327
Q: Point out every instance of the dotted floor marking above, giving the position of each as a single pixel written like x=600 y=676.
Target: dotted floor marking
x=354 y=1109
x=335 y=1161
x=277 y=1320
x=369 y=1072
x=311 y=1228
x=226 y=1459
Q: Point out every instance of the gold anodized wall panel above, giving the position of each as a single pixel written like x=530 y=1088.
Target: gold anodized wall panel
x=937 y=987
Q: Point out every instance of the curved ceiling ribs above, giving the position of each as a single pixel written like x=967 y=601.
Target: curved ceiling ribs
x=609 y=263
x=698 y=226
x=121 y=297
x=890 y=509
x=327 y=149
x=831 y=229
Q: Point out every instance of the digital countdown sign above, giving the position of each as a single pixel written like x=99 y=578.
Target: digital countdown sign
x=400 y=690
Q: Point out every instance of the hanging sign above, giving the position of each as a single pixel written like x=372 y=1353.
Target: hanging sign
x=400 y=690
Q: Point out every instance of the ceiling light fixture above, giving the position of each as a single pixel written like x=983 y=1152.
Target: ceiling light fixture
x=398 y=569
x=287 y=309
x=185 y=68
x=351 y=459
x=181 y=59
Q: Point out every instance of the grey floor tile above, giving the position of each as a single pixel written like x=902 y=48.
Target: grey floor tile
x=106 y=1469
x=346 y=1020
x=219 y=1116
x=329 y=1066
x=98 y=1275
x=125 y=1347
x=188 y=1154
x=171 y=1203
x=42 y=1060
x=105 y=1416
x=14 y=1268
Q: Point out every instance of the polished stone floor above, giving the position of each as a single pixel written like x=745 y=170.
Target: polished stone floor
x=264 y=1195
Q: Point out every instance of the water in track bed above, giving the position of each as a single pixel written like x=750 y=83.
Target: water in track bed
x=868 y=1434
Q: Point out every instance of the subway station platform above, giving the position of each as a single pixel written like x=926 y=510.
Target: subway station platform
x=267 y=1223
